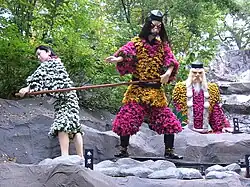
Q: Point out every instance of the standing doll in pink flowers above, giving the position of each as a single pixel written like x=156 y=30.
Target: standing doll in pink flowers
x=148 y=58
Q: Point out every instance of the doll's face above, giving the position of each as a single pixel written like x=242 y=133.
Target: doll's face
x=155 y=27
x=197 y=75
x=43 y=55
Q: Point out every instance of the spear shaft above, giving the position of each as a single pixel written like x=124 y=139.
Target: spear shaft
x=90 y=87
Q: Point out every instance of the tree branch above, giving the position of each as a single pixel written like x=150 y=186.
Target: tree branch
x=125 y=11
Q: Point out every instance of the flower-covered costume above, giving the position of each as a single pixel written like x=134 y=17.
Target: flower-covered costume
x=145 y=62
x=212 y=111
x=51 y=75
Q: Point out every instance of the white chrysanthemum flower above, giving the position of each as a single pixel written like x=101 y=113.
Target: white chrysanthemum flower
x=206 y=95
x=206 y=104
x=190 y=103
x=189 y=94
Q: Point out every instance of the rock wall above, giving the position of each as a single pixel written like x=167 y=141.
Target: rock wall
x=230 y=66
x=24 y=126
x=231 y=71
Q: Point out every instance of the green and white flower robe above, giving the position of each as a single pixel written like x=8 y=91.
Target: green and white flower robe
x=51 y=75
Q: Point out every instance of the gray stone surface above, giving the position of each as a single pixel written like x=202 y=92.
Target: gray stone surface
x=21 y=175
x=216 y=148
x=125 y=167
x=230 y=66
x=215 y=168
x=142 y=172
x=190 y=173
x=221 y=175
x=230 y=70
x=130 y=167
x=135 y=182
x=169 y=173
x=228 y=88
x=233 y=167
x=67 y=160
x=24 y=126
x=15 y=175
x=236 y=103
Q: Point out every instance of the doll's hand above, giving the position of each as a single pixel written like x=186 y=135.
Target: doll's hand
x=113 y=59
x=165 y=77
x=22 y=92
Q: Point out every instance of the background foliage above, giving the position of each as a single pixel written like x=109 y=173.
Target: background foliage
x=84 y=32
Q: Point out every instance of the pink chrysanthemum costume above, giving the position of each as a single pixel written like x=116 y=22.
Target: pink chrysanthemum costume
x=146 y=62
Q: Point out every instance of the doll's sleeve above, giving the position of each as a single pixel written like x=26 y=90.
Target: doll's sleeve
x=37 y=80
x=169 y=60
x=179 y=97
x=217 y=118
x=128 y=65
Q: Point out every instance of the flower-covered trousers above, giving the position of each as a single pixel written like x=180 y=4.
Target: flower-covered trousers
x=132 y=115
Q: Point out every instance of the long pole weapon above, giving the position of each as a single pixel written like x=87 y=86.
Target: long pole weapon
x=89 y=87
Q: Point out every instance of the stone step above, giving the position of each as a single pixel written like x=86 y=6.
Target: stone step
x=228 y=88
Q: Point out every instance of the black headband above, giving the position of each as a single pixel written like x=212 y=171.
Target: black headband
x=196 y=65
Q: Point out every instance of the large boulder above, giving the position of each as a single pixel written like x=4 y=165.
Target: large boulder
x=216 y=148
x=13 y=175
x=24 y=127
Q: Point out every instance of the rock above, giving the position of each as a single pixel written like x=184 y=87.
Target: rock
x=136 y=171
x=214 y=168
x=236 y=104
x=169 y=173
x=21 y=175
x=229 y=88
x=245 y=76
x=149 y=164
x=213 y=148
x=67 y=160
x=127 y=161
x=103 y=143
x=189 y=173
x=244 y=121
x=243 y=172
x=105 y=164
x=13 y=175
x=220 y=175
x=111 y=171
x=245 y=182
x=130 y=167
x=233 y=167
x=26 y=123
x=161 y=164
x=139 y=182
x=230 y=66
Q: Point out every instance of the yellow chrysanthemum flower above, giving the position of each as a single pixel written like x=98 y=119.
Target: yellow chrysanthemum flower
x=147 y=68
